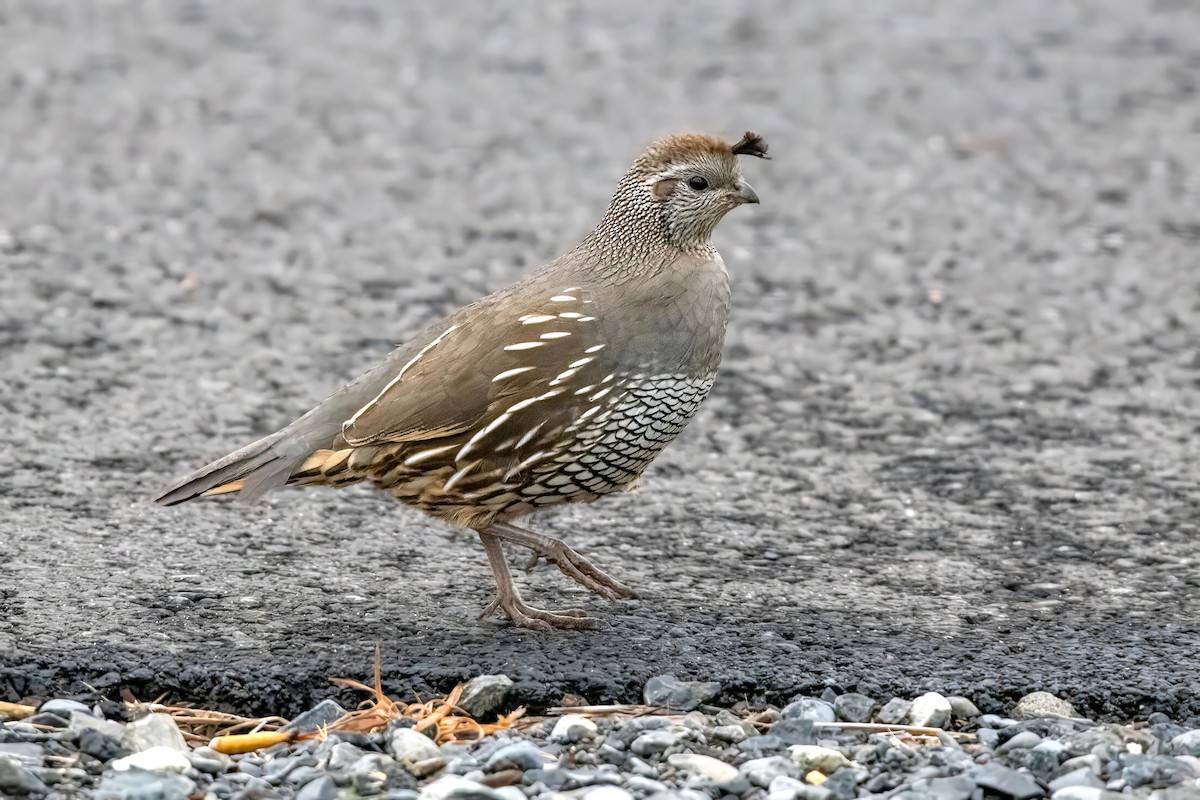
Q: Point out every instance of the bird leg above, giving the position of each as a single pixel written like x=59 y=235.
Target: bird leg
x=508 y=599
x=573 y=565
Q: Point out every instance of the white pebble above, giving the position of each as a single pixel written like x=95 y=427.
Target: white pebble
x=930 y=710
x=155 y=759
x=572 y=728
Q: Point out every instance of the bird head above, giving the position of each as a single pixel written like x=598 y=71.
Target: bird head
x=691 y=182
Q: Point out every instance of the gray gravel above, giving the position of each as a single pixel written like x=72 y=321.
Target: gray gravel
x=659 y=754
x=953 y=447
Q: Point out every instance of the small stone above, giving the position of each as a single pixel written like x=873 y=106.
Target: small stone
x=962 y=708
x=959 y=787
x=320 y=788
x=518 y=755
x=712 y=768
x=155 y=759
x=1039 y=762
x=1186 y=744
x=16 y=780
x=322 y=714
x=761 y=771
x=995 y=721
x=1091 y=761
x=1083 y=776
x=784 y=788
x=794 y=731
x=207 y=760
x=484 y=696
x=152 y=730
x=809 y=708
x=1022 y=739
x=822 y=759
x=1085 y=793
x=762 y=744
x=138 y=784
x=894 y=712
x=572 y=728
x=930 y=710
x=653 y=742
x=729 y=733
x=516 y=793
x=604 y=792
x=343 y=755
x=677 y=695
x=843 y=784
x=98 y=745
x=27 y=754
x=455 y=787
x=1042 y=704
x=1157 y=772
x=408 y=746
x=853 y=707
x=81 y=722
x=63 y=707
x=1003 y=780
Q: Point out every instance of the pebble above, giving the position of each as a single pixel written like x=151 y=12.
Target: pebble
x=155 y=759
x=653 y=742
x=63 y=707
x=1006 y=781
x=324 y=713
x=761 y=771
x=853 y=707
x=677 y=695
x=1083 y=776
x=894 y=711
x=572 y=728
x=17 y=780
x=962 y=708
x=930 y=710
x=809 y=708
x=320 y=788
x=1022 y=739
x=518 y=755
x=485 y=696
x=152 y=730
x=137 y=784
x=822 y=759
x=1041 y=704
x=708 y=753
x=1187 y=744
x=409 y=747
x=454 y=787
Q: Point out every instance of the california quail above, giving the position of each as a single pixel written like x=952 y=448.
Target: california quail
x=558 y=389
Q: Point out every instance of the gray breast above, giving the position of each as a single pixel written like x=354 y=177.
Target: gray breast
x=611 y=448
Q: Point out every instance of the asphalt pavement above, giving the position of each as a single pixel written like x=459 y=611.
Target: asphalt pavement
x=955 y=443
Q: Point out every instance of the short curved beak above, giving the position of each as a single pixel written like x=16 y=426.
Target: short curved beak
x=745 y=193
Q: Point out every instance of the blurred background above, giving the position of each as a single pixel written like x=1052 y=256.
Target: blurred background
x=955 y=437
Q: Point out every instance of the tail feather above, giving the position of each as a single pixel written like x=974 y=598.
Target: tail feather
x=252 y=471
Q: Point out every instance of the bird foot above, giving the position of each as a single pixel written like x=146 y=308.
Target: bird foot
x=569 y=562
x=526 y=616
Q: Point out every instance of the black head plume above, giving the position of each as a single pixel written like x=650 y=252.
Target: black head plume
x=751 y=145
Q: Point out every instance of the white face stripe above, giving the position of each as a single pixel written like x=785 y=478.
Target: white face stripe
x=399 y=375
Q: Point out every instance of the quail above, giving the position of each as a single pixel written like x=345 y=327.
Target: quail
x=560 y=388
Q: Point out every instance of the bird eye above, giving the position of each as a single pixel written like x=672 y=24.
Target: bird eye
x=697 y=183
